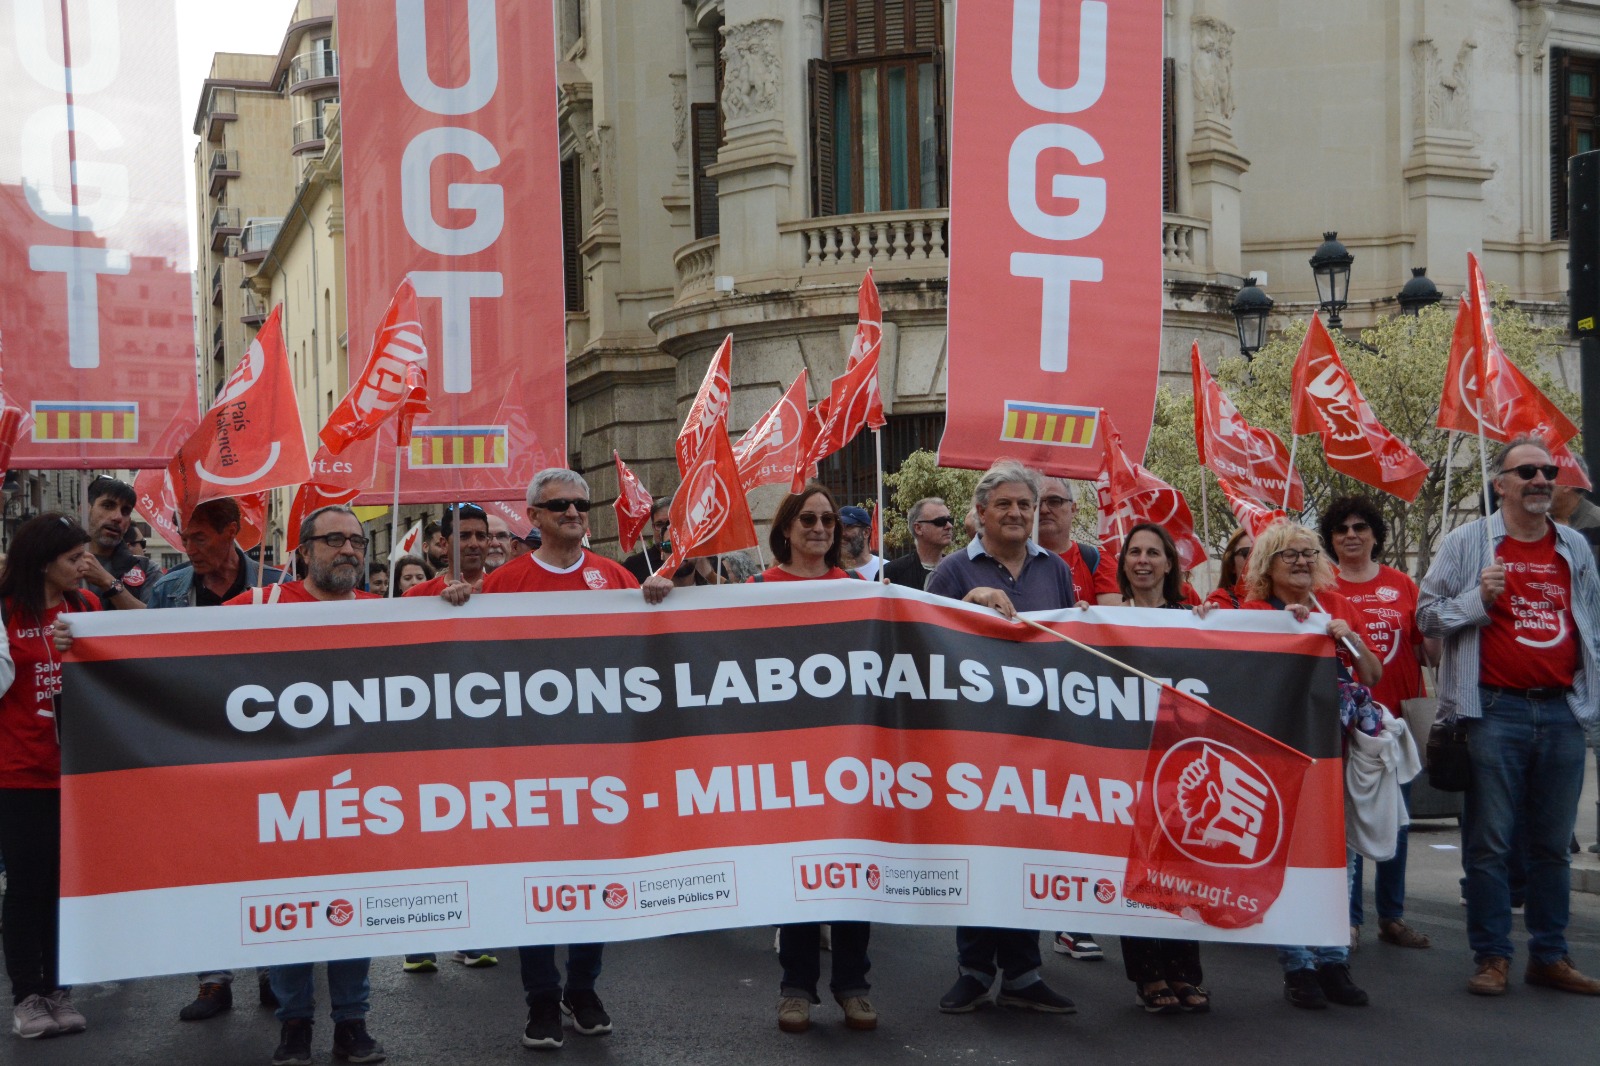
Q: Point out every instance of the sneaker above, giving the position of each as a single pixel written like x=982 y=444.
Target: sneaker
x=294 y=1044
x=269 y=998
x=1079 y=946
x=544 y=1025
x=477 y=960
x=967 y=994
x=68 y=1018
x=352 y=1042
x=859 y=1013
x=1037 y=996
x=212 y=999
x=794 y=1014
x=1337 y=986
x=588 y=1014
x=1302 y=989
x=32 y=1019
x=1560 y=974
x=420 y=964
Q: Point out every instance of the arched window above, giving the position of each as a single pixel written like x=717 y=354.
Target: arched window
x=877 y=108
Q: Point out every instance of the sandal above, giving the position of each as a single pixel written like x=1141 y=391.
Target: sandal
x=1157 y=998
x=1192 y=999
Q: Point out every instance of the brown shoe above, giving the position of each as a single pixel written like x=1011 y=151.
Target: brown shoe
x=1561 y=974
x=1402 y=935
x=1490 y=980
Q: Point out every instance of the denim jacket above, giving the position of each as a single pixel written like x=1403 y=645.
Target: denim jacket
x=176 y=587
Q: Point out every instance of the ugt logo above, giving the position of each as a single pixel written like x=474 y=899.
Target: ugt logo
x=1227 y=810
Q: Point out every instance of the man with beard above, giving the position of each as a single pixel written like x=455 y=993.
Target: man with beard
x=498 y=552
x=1516 y=599
x=435 y=548
x=474 y=539
x=119 y=577
x=856 y=555
x=333 y=551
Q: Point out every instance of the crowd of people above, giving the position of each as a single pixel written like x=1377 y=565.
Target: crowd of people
x=1509 y=612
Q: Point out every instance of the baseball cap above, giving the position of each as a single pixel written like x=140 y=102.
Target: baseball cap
x=855 y=516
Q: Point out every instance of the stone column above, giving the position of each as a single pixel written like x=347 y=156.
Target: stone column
x=1445 y=175
x=1215 y=162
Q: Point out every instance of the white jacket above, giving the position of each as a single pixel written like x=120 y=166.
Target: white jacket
x=1374 y=811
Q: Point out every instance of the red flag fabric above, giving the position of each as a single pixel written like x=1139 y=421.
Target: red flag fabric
x=1251 y=515
x=1120 y=472
x=839 y=416
x=805 y=467
x=10 y=432
x=395 y=379
x=868 y=344
x=250 y=440
x=410 y=541
x=1253 y=459
x=1152 y=501
x=709 y=514
x=770 y=449
x=252 y=519
x=710 y=407
x=157 y=503
x=335 y=478
x=1570 y=474
x=1215 y=816
x=633 y=505
x=1327 y=402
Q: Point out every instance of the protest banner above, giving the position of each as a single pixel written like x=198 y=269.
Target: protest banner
x=549 y=768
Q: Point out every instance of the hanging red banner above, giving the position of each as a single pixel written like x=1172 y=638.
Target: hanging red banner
x=1055 y=226
x=96 y=314
x=448 y=114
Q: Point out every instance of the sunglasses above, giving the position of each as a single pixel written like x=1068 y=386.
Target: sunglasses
x=560 y=506
x=942 y=523
x=1054 y=501
x=1353 y=527
x=810 y=519
x=1527 y=471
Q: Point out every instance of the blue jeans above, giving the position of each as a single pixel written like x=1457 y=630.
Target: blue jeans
x=1015 y=951
x=1527 y=756
x=1294 y=957
x=541 y=981
x=348 y=990
x=1389 y=885
x=800 y=955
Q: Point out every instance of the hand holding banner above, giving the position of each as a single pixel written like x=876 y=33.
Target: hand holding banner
x=633 y=505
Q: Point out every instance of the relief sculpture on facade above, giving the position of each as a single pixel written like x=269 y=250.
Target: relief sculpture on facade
x=752 y=70
x=1213 y=68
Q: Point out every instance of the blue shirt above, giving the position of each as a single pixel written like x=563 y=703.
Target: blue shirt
x=1044 y=584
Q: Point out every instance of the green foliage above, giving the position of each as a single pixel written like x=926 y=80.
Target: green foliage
x=921 y=476
x=1399 y=366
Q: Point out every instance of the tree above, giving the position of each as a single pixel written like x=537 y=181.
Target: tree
x=1399 y=366
x=919 y=477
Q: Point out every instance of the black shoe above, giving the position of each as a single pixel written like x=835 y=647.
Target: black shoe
x=212 y=999
x=1302 y=989
x=269 y=998
x=294 y=1044
x=353 y=1043
x=544 y=1025
x=588 y=1015
x=1037 y=996
x=1337 y=986
x=967 y=994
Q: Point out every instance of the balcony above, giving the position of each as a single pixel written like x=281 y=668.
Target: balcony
x=216 y=342
x=906 y=242
x=254 y=311
x=256 y=240
x=311 y=70
x=216 y=286
x=696 y=265
x=224 y=165
x=1186 y=245
x=224 y=224
x=221 y=106
x=307 y=135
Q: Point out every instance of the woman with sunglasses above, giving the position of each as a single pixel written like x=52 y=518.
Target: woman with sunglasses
x=806 y=541
x=49 y=557
x=1231 y=590
x=1288 y=572
x=1354 y=532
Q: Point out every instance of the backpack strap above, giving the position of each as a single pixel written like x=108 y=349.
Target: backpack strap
x=1091 y=557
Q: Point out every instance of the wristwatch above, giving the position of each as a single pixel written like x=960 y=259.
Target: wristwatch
x=115 y=589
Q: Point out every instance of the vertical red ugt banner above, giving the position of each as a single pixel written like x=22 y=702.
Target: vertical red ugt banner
x=451 y=177
x=1055 y=231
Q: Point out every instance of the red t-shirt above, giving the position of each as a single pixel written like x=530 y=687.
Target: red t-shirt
x=1087 y=586
x=1188 y=596
x=1388 y=607
x=590 y=573
x=1336 y=606
x=773 y=573
x=30 y=753
x=1529 y=641
x=431 y=587
x=1229 y=598
x=288 y=592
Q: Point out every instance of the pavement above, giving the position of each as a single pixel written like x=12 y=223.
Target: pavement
x=710 y=999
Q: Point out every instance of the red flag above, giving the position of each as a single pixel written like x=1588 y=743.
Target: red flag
x=1152 y=500
x=710 y=406
x=410 y=541
x=250 y=440
x=1327 y=402
x=839 y=416
x=1121 y=473
x=334 y=480
x=806 y=459
x=252 y=519
x=868 y=344
x=1254 y=459
x=769 y=450
x=1570 y=474
x=1215 y=816
x=10 y=432
x=633 y=505
x=1251 y=515
x=395 y=379
x=709 y=515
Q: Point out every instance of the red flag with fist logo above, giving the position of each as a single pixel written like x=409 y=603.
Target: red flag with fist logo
x=1215 y=817
x=709 y=514
x=633 y=505
x=394 y=381
x=710 y=407
x=769 y=451
x=1252 y=458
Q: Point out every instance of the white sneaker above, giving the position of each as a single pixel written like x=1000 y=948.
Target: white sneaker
x=32 y=1019
x=68 y=1017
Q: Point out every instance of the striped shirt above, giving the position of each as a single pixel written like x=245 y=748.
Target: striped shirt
x=1451 y=608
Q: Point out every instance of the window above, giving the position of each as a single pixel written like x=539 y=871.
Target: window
x=705 y=138
x=1169 y=137
x=572 y=232
x=1574 y=124
x=877 y=108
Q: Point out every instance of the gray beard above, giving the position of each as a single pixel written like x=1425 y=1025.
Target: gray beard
x=334 y=578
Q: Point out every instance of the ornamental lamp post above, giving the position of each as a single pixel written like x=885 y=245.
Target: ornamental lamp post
x=1330 y=264
x=1418 y=293
x=1250 y=310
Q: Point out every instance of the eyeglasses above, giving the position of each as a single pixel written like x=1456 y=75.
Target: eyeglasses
x=339 y=540
x=1292 y=555
x=1526 y=471
x=500 y=536
x=1353 y=527
x=560 y=506
x=809 y=519
x=942 y=523
x=1055 y=501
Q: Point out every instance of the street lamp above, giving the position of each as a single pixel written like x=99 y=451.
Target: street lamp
x=1250 y=310
x=1331 y=265
x=1418 y=293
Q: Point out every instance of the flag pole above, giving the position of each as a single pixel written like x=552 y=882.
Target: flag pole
x=1483 y=466
x=394 y=519
x=1288 y=481
x=1205 y=513
x=455 y=541
x=261 y=564
x=1449 y=464
x=877 y=446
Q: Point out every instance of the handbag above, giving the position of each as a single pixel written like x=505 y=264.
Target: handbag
x=1449 y=764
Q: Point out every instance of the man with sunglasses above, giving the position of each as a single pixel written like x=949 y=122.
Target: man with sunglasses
x=932 y=530
x=1516 y=599
x=474 y=540
x=119 y=577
